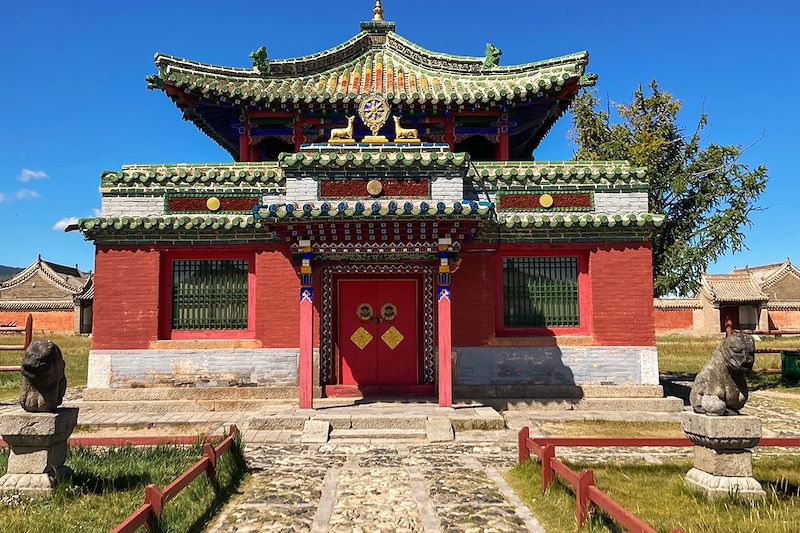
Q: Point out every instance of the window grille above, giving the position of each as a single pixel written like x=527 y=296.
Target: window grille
x=209 y=294
x=540 y=292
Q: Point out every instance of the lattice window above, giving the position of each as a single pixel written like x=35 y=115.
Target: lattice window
x=540 y=292
x=209 y=294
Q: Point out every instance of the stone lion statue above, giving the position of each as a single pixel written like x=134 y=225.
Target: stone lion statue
x=43 y=380
x=721 y=388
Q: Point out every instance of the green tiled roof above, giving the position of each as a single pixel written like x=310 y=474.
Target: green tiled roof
x=544 y=172
x=174 y=223
x=383 y=63
x=188 y=174
x=581 y=221
x=354 y=157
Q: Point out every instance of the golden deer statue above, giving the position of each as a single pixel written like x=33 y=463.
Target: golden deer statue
x=404 y=134
x=343 y=134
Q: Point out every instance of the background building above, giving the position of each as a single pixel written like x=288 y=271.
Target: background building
x=59 y=298
x=765 y=297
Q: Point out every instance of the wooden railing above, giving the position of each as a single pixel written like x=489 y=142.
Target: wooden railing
x=27 y=330
x=586 y=493
x=150 y=511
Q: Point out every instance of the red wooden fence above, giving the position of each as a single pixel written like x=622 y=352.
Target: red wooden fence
x=27 y=330
x=155 y=498
x=586 y=493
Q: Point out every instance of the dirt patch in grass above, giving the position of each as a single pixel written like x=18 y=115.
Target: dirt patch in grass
x=657 y=494
x=75 y=349
x=605 y=428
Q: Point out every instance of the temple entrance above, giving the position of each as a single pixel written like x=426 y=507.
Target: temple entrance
x=378 y=343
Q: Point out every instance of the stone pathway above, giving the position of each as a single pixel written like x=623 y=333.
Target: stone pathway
x=353 y=487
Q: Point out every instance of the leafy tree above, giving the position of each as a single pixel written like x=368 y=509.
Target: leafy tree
x=704 y=189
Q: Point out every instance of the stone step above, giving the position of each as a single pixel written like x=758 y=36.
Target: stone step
x=172 y=406
x=386 y=434
x=669 y=404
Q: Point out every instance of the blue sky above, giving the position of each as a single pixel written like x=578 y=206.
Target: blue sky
x=74 y=100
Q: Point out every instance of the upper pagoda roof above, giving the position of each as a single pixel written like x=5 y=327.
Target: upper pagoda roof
x=376 y=60
x=262 y=100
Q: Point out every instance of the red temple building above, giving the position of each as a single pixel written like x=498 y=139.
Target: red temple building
x=383 y=228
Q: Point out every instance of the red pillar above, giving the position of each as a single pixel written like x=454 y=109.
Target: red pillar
x=444 y=332
x=305 y=367
x=298 y=134
x=244 y=147
x=255 y=155
x=502 y=138
x=450 y=131
x=445 y=349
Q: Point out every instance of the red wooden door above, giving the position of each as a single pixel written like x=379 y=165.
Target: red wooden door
x=378 y=331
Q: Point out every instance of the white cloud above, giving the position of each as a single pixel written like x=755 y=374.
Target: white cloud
x=26 y=194
x=3 y=198
x=27 y=175
x=62 y=224
x=97 y=212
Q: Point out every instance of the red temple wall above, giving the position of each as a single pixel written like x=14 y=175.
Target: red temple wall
x=60 y=321
x=621 y=278
x=126 y=297
x=473 y=300
x=616 y=304
x=784 y=319
x=673 y=320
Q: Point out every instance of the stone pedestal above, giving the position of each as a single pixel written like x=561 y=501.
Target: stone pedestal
x=38 y=443
x=723 y=460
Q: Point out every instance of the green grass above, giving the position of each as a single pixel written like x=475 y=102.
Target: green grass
x=657 y=494
x=108 y=485
x=685 y=356
x=75 y=349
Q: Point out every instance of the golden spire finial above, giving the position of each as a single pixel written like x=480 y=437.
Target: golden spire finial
x=378 y=16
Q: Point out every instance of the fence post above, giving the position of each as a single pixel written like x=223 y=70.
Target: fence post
x=28 y=331
x=548 y=454
x=155 y=498
x=523 y=453
x=233 y=430
x=211 y=455
x=585 y=480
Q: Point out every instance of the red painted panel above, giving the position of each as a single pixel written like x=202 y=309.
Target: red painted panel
x=198 y=204
x=473 y=300
x=531 y=201
x=375 y=362
x=418 y=188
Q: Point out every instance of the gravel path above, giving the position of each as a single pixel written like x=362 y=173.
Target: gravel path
x=350 y=487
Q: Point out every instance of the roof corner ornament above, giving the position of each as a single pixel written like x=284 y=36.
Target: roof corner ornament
x=154 y=81
x=378 y=12
x=260 y=60
x=492 y=58
x=588 y=80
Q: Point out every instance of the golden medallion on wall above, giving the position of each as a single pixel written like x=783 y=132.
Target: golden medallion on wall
x=389 y=312
x=364 y=312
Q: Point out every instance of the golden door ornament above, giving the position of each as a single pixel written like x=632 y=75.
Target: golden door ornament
x=364 y=312
x=361 y=337
x=392 y=337
x=389 y=312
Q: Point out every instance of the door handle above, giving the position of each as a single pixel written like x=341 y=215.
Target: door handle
x=377 y=320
